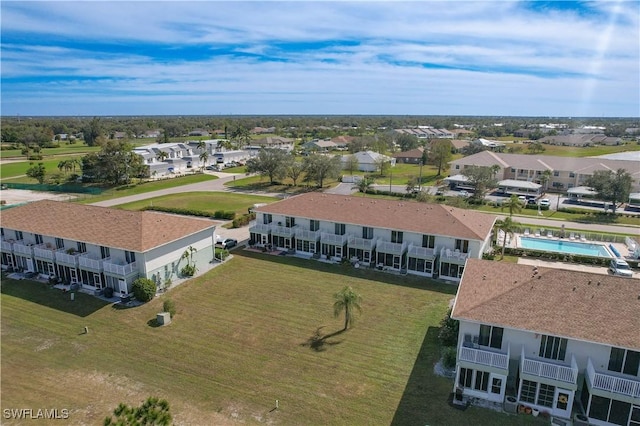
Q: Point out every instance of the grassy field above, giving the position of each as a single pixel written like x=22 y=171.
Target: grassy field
x=203 y=201
x=256 y=329
x=11 y=171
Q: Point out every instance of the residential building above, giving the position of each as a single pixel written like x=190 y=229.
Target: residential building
x=413 y=156
x=369 y=161
x=580 y=139
x=562 y=172
x=168 y=158
x=320 y=146
x=427 y=132
x=558 y=341
x=100 y=247
x=430 y=240
x=272 y=142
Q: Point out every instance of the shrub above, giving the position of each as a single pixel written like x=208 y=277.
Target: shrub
x=108 y=292
x=449 y=357
x=221 y=214
x=243 y=220
x=169 y=306
x=188 y=270
x=144 y=289
x=449 y=327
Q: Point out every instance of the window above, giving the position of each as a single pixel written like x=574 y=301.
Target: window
x=556 y=173
x=457 y=167
x=428 y=241
x=496 y=385
x=482 y=381
x=105 y=252
x=611 y=411
x=462 y=245
x=2 y=232
x=130 y=256
x=528 y=391
x=314 y=225
x=59 y=243
x=82 y=247
x=367 y=233
x=267 y=218
x=491 y=336
x=563 y=401
x=572 y=175
x=38 y=238
x=624 y=361
x=289 y=222
x=553 y=348
x=465 y=377
x=546 y=395
x=513 y=170
x=340 y=229
x=19 y=235
x=396 y=237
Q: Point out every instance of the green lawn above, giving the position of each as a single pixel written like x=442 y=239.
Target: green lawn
x=243 y=336
x=15 y=169
x=203 y=201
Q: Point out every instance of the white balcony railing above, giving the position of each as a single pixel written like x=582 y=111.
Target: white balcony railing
x=389 y=247
x=421 y=252
x=306 y=235
x=44 y=252
x=611 y=383
x=333 y=239
x=85 y=261
x=260 y=228
x=122 y=270
x=283 y=231
x=485 y=357
x=549 y=370
x=23 y=249
x=7 y=246
x=67 y=259
x=361 y=243
x=454 y=256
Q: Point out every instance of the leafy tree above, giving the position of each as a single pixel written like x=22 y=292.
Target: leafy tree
x=513 y=204
x=407 y=142
x=412 y=184
x=364 y=184
x=347 y=300
x=37 y=172
x=382 y=165
x=115 y=164
x=481 y=179
x=440 y=153
x=351 y=164
x=295 y=170
x=144 y=289
x=241 y=135
x=271 y=162
x=93 y=131
x=321 y=167
x=508 y=227
x=610 y=186
x=536 y=148
x=449 y=328
x=152 y=412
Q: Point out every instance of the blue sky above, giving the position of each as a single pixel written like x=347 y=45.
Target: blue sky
x=554 y=58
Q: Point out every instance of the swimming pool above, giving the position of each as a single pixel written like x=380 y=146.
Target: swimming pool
x=564 y=246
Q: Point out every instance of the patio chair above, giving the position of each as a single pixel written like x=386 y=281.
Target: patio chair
x=583 y=237
x=526 y=232
x=549 y=234
x=537 y=233
x=572 y=236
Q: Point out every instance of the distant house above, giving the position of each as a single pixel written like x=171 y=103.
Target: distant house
x=152 y=133
x=199 y=132
x=342 y=141
x=587 y=139
x=263 y=130
x=368 y=160
x=61 y=137
x=413 y=156
x=492 y=145
x=119 y=135
x=427 y=132
x=272 y=142
x=319 y=146
x=168 y=158
x=457 y=145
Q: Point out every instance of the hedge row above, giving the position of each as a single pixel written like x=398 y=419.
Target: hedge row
x=220 y=214
x=563 y=257
x=243 y=220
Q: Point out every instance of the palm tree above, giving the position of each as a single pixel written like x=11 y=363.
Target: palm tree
x=162 y=155
x=188 y=254
x=364 y=185
x=513 y=204
x=204 y=157
x=508 y=226
x=544 y=178
x=346 y=300
x=201 y=145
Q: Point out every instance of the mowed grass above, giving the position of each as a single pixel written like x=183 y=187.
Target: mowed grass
x=242 y=338
x=13 y=170
x=203 y=201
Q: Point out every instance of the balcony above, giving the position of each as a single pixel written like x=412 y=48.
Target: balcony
x=306 y=235
x=260 y=228
x=361 y=243
x=610 y=383
x=44 y=251
x=390 y=248
x=120 y=269
x=549 y=370
x=283 y=231
x=67 y=259
x=87 y=262
x=421 y=252
x=7 y=246
x=23 y=249
x=333 y=239
x=485 y=356
x=453 y=256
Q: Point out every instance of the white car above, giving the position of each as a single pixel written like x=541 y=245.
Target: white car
x=544 y=202
x=621 y=268
x=522 y=199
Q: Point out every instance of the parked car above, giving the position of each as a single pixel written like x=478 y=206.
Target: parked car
x=620 y=267
x=522 y=199
x=215 y=168
x=544 y=202
x=464 y=194
x=228 y=243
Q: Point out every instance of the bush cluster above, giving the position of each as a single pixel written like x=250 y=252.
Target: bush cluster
x=144 y=289
x=243 y=220
x=221 y=214
x=188 y=271
x=589 y=260
x=448 y=335
x=169 y=306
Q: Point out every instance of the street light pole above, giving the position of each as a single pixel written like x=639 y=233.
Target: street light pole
x=420 y=179
x=390 y=176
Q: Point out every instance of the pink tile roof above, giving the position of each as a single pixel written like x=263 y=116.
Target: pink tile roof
x=432 y=219
x=577 y=305
x=128 y=230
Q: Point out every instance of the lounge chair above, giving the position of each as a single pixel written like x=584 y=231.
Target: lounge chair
x=537 y=233
x=549 y=234
x=572 y=236
x=583 y=237
x=526 y=232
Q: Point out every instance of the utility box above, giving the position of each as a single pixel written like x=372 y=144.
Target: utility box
x=163 y=318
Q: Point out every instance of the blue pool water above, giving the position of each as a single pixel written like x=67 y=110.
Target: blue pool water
x=564 y=246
